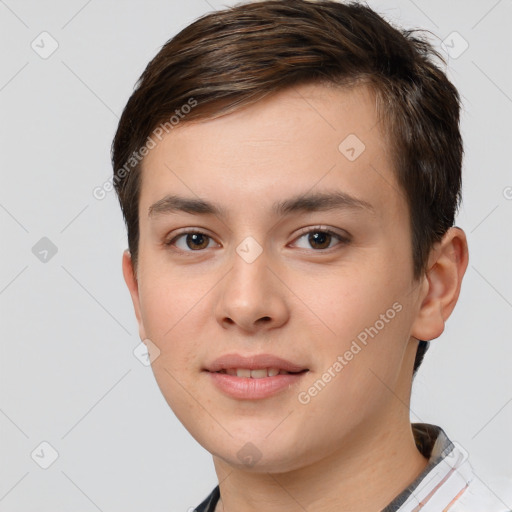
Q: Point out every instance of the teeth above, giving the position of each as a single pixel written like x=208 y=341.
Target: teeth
x=254 y=374
x=259 y=374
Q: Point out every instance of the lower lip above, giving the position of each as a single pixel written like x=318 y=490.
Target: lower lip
x=247 y=388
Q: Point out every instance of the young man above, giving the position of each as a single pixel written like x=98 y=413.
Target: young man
x=289 y=173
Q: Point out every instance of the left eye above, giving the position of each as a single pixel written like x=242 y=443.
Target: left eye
x=320 y=239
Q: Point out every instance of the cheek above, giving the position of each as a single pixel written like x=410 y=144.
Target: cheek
x=347 y=300
x=359 y=371
x=366 y=318
x=169 y=309
x=171 y=314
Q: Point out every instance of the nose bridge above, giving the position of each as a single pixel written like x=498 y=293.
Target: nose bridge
x=251 y=296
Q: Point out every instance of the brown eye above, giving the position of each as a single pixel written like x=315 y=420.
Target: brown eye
x=191 y=241
x=320 y=239
x=196 y=241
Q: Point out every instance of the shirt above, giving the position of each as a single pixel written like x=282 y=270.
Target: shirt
x=447 y=484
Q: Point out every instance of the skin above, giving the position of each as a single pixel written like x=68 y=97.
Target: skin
x=297 y=300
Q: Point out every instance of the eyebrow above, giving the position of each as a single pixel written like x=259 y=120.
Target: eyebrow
x=301 y=203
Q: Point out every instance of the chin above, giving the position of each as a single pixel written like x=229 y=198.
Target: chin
x=259 y=455
x=253 y=460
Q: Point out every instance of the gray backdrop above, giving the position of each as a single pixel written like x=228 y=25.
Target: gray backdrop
x=69 y=377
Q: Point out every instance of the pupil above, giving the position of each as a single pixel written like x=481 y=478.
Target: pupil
x=319 y=239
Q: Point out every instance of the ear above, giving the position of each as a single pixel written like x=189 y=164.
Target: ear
x=441 y=284
x=133 y=286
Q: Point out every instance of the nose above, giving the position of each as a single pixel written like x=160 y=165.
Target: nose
x=251 y=297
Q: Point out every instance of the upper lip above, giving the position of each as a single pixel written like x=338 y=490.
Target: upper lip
x=252 y=362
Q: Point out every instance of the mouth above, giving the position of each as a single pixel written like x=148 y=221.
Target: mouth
x=255 y=366
x=260 y=373
x=255 y=376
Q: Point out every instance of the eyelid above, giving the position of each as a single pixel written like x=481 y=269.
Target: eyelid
x=323 y=227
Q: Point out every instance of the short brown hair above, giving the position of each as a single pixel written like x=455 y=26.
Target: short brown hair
x=232 y=58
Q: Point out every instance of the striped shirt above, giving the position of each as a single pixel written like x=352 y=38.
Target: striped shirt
x=447 y=484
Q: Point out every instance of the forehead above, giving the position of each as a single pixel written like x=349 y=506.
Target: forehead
x=306 y=138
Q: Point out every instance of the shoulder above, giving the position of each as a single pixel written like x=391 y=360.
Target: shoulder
x=449 y=482
x=478 y=496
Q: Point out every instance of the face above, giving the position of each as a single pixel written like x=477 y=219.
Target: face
x=274 y=278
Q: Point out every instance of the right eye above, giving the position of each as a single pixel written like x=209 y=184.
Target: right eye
x=191 y=241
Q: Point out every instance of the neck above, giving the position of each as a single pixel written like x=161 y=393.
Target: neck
x=365 y=474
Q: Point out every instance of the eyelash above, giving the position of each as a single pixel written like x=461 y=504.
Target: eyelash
x=342 y=240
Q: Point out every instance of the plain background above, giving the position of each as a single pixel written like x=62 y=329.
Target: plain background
x=69 y=376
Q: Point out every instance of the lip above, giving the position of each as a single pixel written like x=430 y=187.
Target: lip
x=247 y=388
x=253 y=362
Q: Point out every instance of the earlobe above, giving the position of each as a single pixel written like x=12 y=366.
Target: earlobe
x=133 y=287
x=442 y=282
